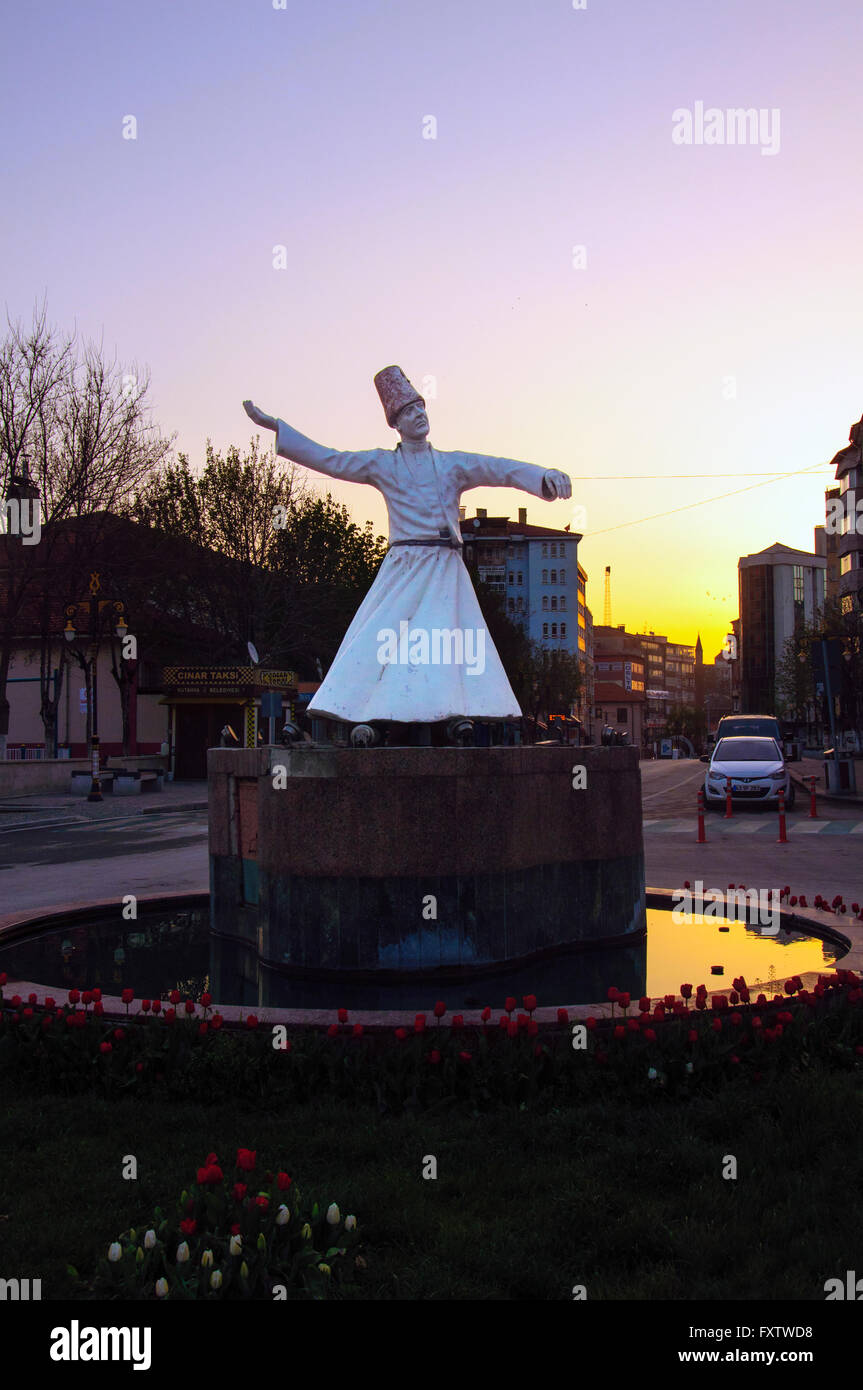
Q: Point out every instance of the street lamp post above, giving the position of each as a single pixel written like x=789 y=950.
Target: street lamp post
x=94 y=607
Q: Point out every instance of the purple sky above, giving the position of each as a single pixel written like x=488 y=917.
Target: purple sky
x=453 y=256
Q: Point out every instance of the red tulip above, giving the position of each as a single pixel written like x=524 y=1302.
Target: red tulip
x=246 y=1159
x=509 y=1004
x=632 y=1024
x=251 y=1020
x=619 y=1031
x=206 y=1001
x=262 y=1202
x=716 y=1025
x=145 y=1006
x=188 y=1226
x=420 y=1023
x=590 y=1024
x=512 y=1028
x=529 y=1002
x=189 y=1006
x=401 y=1034
x=343 y=1015
x=613 y=993
x=457 y=1021
x=486 y=1014
x=465 y=1056
x=74 y=996
x=562 y=1016
x=532 y=1028
x=239 y=1191
x=756 y=1022
x=333 y=1030
x=17 y=1001
x=50 y=1002
x=203 y=1028
x=119 y=1034
x=283 y=1182
x=216 y=1021
x=669 y=1001
x=439 y=1009
x=157 y=1006
x=105 y=1047
x=127 y=996
x=644 y=1004
x=170 y=1015
x=3 y=978
x=358 y=1030
x=97 y=994
x=649 y=1035
x=434 y=1057
x=174 y=997
x=686 y=991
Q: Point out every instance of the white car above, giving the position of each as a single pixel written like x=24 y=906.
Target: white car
x=755 y=767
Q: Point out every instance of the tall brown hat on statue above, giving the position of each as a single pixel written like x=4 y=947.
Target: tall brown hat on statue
x=395 y=392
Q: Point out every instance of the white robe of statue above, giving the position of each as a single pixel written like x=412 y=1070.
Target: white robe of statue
x=418 y=591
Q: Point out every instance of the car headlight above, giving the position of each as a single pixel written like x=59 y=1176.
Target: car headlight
x=777 y=776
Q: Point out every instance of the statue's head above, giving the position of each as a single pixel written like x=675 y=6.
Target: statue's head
x=412 y=421
x=403 y=406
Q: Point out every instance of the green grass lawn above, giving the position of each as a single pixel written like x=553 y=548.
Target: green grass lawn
x=625 y=1197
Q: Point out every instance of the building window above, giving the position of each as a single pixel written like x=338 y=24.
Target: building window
x=553 y=549
x=544 y=549
x=510 y=603
x=554 y=603
x=545 y=629
x=798 y=583
x=563 y=576
x=554 y=576
x=846 y=563
x=511 y=577
x=545 y=603
x=545 y=576
x=520 y=604
x=554 y=629
x=520 y=580
x=563 y=629
x=621 y=715
x=563 y=603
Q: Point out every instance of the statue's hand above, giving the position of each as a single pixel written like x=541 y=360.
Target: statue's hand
x=266 y=422
x=556 y=484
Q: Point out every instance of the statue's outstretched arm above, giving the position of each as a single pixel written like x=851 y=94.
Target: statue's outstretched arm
x=481 y=470
x=290 y=444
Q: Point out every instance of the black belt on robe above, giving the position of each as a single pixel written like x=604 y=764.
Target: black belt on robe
x=445 y=538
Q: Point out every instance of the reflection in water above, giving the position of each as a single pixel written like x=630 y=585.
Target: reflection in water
x=172 y=949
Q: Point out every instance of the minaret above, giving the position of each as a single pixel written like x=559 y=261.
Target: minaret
x=699 y=673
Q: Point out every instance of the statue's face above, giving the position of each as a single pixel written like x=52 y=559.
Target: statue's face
x=412 y=422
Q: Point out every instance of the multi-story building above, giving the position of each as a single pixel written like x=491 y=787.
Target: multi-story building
x=849 y=475
x=827 y=542
x=780 y=589
x=619 y=693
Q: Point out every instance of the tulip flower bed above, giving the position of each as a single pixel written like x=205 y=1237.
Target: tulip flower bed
x=676 y=1044
x=250 y=1237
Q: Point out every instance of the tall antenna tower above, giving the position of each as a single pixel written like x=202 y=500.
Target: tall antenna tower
x=606 y=607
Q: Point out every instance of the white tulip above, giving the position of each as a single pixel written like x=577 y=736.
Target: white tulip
x=350 y=1223
x=334 y=1216
x=652 y=1073
x=182 y=1252
x=216 y=1279
x=149 y=1240
x=115 y=1252
x=283 y=1216
x=689 y=1066
x=206 y=1259
x=236 y=1245
x=161 y=1288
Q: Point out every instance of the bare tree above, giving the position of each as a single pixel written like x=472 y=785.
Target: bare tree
x=83 y=425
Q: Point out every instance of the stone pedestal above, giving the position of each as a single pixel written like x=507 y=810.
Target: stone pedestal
x=391 y=863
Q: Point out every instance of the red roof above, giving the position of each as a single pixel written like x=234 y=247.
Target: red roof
x=605 y=692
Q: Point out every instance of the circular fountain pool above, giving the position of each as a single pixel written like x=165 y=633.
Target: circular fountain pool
x=170 y=946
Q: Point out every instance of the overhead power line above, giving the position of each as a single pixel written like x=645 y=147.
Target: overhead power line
x=688 y=506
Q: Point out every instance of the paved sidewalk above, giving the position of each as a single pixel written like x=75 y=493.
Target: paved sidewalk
x=803 y=771
x=44 y=807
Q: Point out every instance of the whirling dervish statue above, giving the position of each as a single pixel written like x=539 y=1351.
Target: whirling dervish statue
x=418 y=650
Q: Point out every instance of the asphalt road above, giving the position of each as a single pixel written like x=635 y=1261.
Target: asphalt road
x=670 y=789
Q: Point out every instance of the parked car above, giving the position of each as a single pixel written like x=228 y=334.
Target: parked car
x=755 y=767
x=760 y=725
